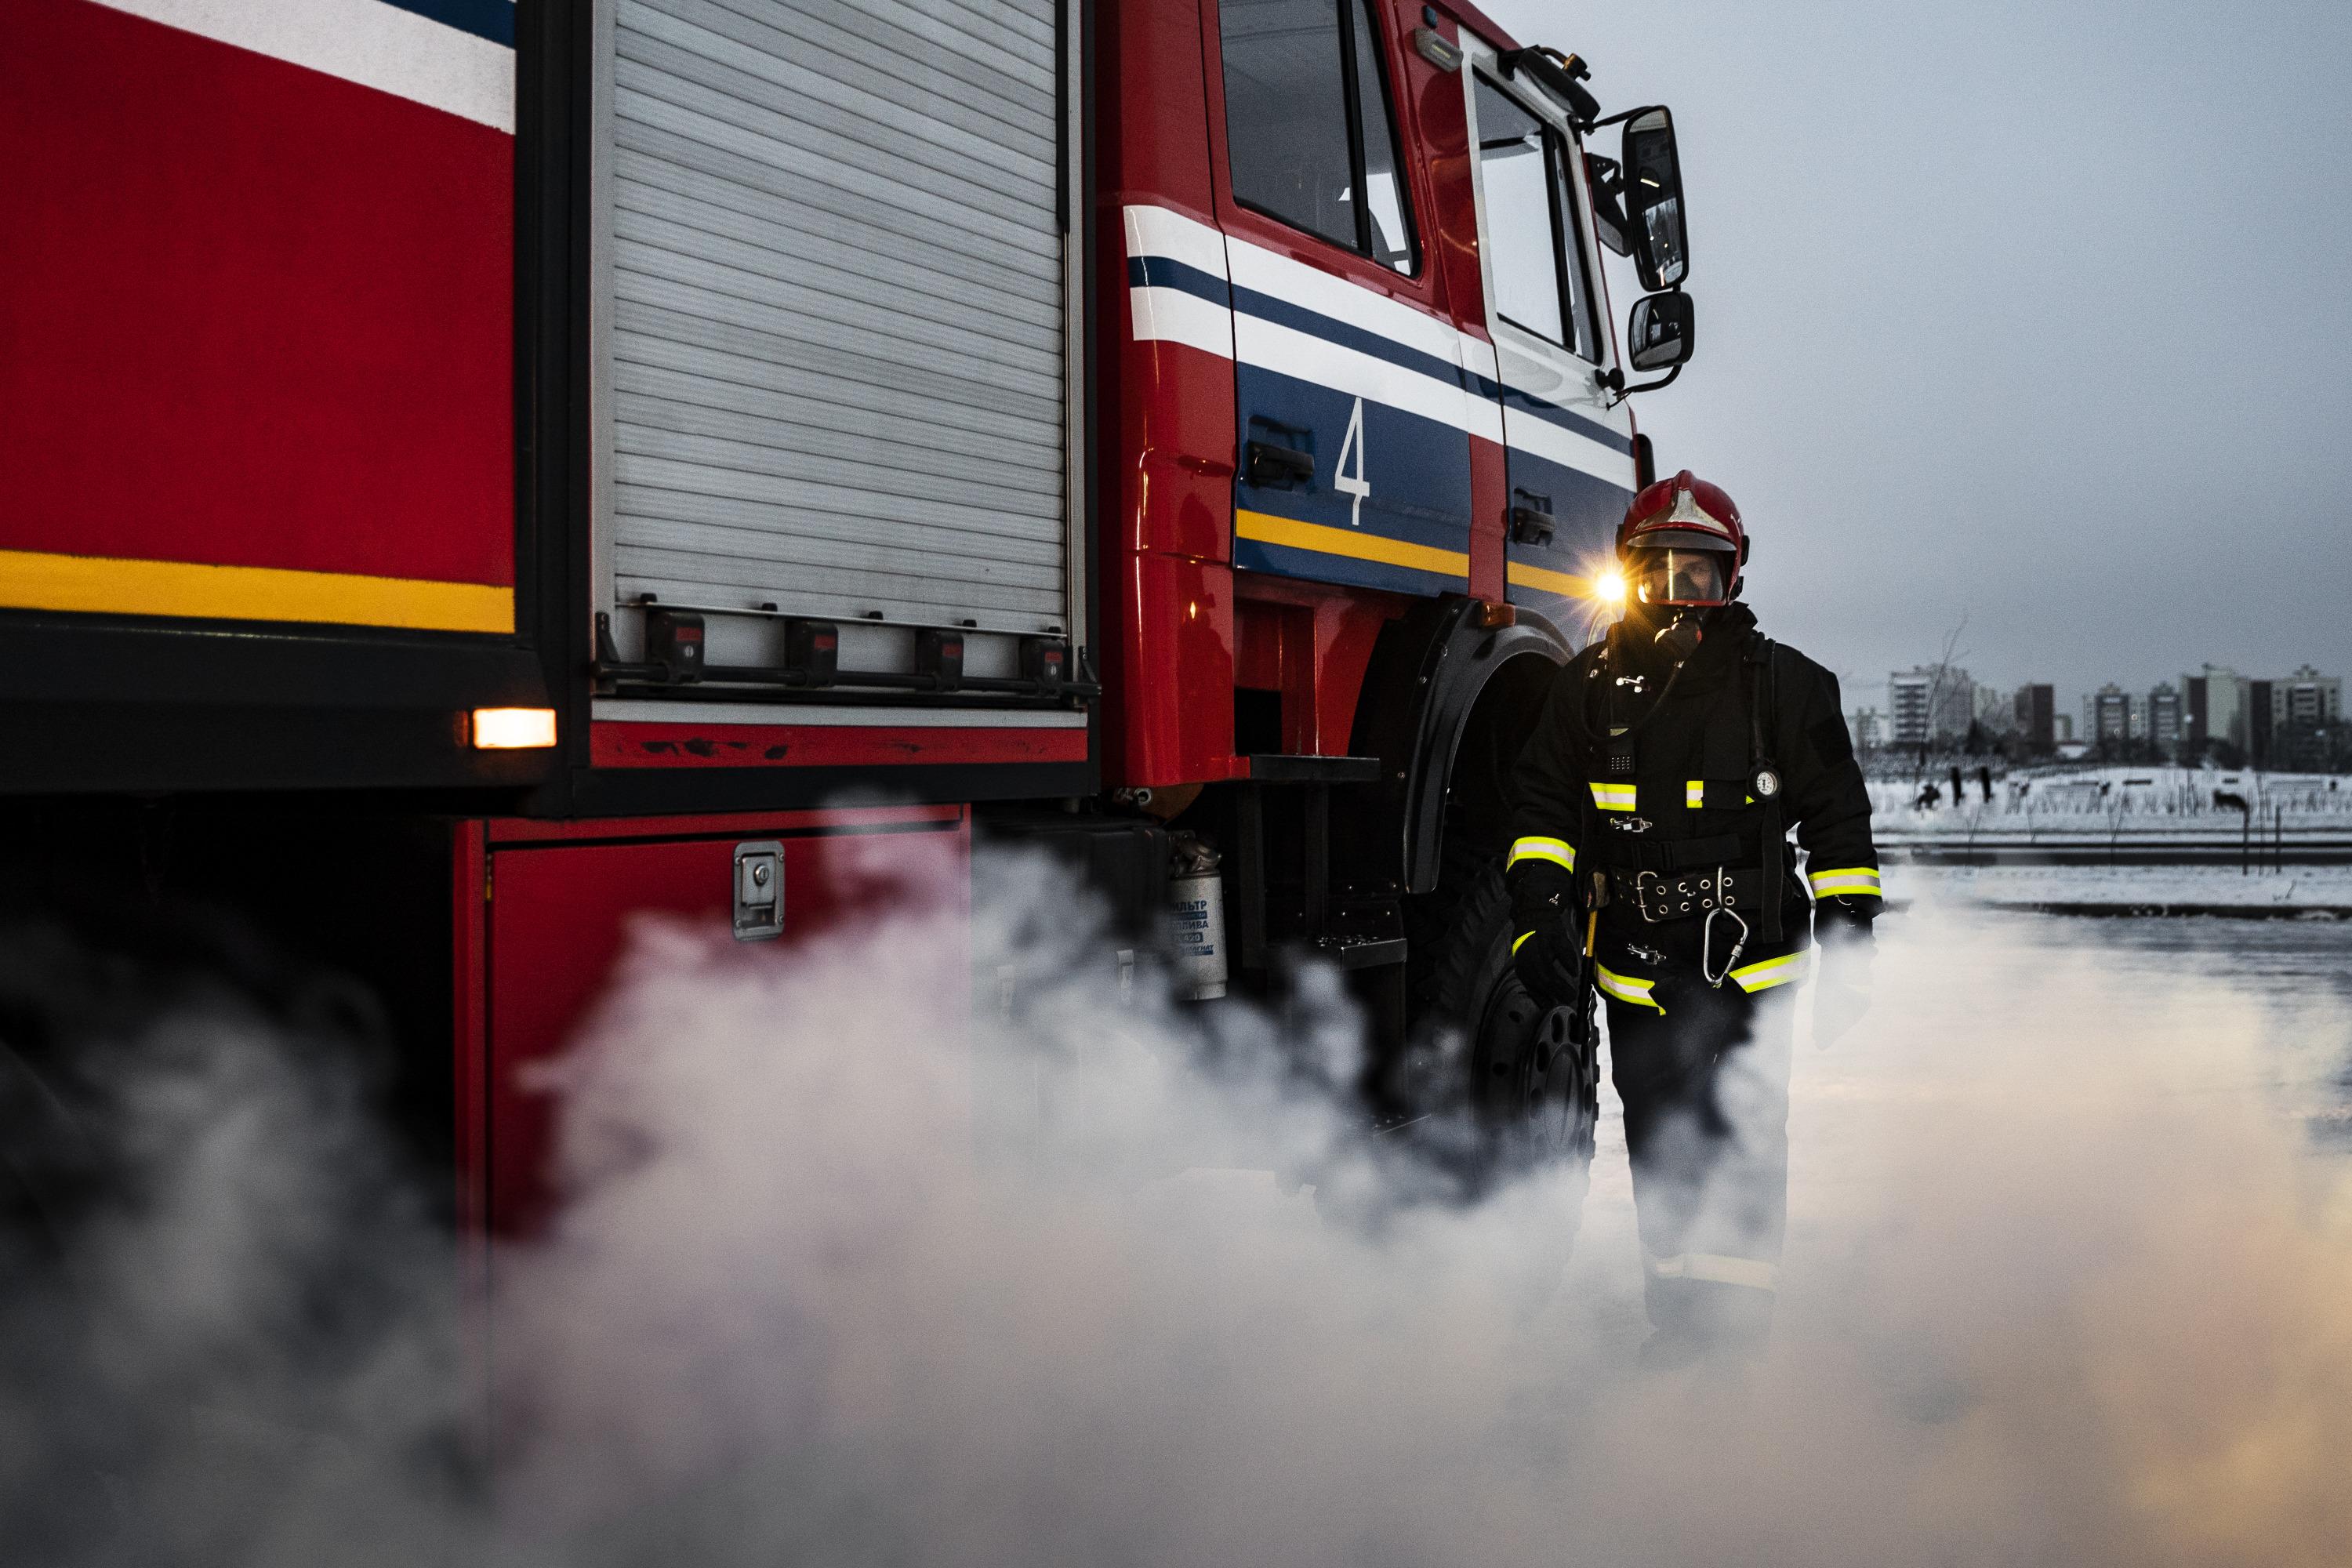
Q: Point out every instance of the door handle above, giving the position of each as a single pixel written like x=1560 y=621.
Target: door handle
x=1530 y=526
x=1283 y=467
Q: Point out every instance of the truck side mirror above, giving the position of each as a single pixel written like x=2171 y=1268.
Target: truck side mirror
x=1660 y=333
x=1654 y=198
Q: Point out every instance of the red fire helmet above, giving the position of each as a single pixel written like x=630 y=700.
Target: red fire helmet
x=1687 y=513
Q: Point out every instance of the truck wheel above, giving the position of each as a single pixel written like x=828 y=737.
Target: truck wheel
x=1484 y=1055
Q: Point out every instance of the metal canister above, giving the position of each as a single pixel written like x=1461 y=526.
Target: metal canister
x=1196 y=918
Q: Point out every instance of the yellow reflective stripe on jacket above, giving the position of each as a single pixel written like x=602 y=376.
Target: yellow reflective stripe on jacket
x=1612 y=797
x=1694 y=794
x=1627 y=987
x=1555 y=850
x=1766 y=973
x=1716 y=1269
x=1521 y=940
x=1851 y=879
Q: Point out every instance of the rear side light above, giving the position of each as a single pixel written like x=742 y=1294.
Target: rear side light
x=814 y=649
x=512 y=729
x=940 y=656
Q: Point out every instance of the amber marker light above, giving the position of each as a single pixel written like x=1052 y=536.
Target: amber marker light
x=512 y=729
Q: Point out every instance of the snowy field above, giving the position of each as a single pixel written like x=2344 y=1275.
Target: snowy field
x=2099 y=805
x=2310 y=891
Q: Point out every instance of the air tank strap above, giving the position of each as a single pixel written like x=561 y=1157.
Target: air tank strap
x=1765 y=783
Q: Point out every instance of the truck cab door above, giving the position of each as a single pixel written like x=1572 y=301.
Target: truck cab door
x=1569 y=454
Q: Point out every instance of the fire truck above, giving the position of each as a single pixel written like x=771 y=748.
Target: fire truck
x=480 y=469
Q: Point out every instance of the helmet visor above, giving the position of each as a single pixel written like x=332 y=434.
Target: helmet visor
x=1680 y=576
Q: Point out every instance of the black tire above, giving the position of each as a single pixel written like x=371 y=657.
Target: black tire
x=1497 y=1079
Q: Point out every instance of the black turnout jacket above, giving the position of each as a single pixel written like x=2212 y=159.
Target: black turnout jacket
x=1686 y=799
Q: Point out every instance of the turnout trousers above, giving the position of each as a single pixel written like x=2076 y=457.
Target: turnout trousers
x=1703 y=1075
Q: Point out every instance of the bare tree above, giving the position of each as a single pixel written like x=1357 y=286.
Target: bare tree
x=1941 y=681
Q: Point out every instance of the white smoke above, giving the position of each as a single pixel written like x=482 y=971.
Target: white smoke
x=849 y=1269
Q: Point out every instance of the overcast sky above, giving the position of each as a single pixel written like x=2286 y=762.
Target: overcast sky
x=2033 y=312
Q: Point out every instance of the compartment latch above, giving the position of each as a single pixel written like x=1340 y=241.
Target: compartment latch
x=759 y=890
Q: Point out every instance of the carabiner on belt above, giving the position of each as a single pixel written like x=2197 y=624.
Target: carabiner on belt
x=1707 y=971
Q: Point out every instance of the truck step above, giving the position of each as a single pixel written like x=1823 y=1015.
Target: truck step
x=1361 y=951
x=1267 y=767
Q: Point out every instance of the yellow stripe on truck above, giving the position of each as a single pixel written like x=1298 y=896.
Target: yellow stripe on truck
x=1289 y=532
x=1519 y=574
x=118 y=586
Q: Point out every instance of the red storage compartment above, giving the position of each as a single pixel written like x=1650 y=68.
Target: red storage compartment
x=559 y=899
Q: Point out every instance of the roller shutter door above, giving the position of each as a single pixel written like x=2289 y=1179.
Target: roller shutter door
x=838 y=341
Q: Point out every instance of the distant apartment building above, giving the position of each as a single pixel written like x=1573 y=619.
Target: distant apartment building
x=1996 y=710
x=1926 y=705
x=2107 y=714
x=1869 y=728
x=2222 y=705
x=2035 y=712
x=2306 y=698
x=2166 y=717
x=2214 y=707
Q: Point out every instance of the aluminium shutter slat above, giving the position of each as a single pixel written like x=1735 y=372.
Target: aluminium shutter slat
x=725 y=359
x=823 y=243
x=823 y=410
x=944 y=219
x=848 y=278
x=753 y=523
x=661 y=277
x=857 y=452
x=663 y=468
x=850 y=585
x=829 y=120
x=852 y=83
x=818 y=468
x=745 y=554
x=853 y=37
x=725 y=179
x=940 y=175
x=837 y=323
x=1008 y=31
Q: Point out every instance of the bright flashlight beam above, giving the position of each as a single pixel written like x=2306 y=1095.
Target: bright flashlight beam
x=1608 y=587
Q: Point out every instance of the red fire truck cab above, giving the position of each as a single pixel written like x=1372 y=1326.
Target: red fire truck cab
x=482 y=469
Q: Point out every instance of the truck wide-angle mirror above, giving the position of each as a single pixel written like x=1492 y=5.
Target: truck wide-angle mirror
x=1659 y=335
x=1653 y=185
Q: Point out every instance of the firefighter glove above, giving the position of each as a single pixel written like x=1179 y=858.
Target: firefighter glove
x=1546 y=951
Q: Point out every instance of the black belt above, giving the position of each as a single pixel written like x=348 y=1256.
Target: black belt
x=1670 y=856
x=1672 y=896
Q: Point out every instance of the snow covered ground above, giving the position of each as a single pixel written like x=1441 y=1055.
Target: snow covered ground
x=2083 y=805
x=2306 y=889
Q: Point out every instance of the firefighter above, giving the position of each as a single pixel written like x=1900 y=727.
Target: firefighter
x=1650 y=861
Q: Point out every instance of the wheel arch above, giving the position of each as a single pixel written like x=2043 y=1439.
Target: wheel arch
x=1435 y=679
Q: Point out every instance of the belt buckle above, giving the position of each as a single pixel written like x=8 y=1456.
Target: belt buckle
x=1642 y=880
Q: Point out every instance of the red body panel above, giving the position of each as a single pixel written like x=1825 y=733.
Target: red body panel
x=1167 y=601
x=253 y=314
x=562 y=900
x=646 y=745
x=1312 y=643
